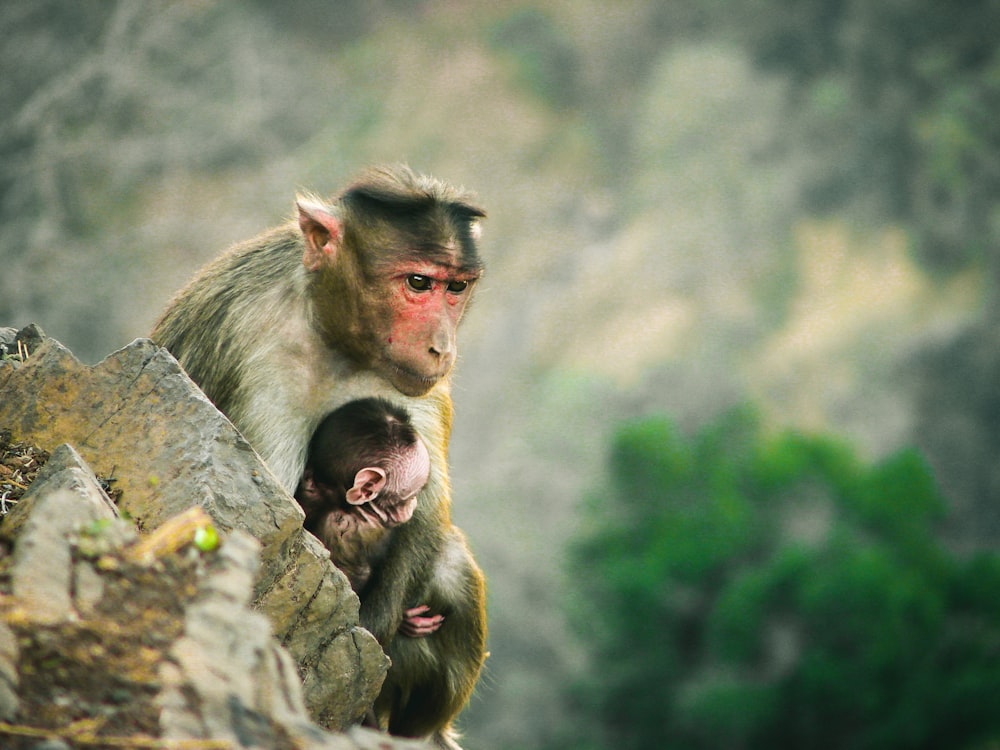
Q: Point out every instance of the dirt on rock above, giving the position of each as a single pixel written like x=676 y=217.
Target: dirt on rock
x=96 y=679
x=19 y=464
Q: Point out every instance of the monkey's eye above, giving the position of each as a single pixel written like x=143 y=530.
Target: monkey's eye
x=419 y=283
x=457 y=287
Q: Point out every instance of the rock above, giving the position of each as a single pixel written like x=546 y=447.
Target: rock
x=64 y=496
x=367 y=739
x=352 y=657
x=15 y=344
x=167 y=651
x=64 y=470
x=8 y=674
x=233 y=682
x=138 y=418
x=8 y=337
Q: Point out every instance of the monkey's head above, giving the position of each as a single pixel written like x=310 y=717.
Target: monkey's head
x=387 y=495
x=366 y=465
x=393 y=263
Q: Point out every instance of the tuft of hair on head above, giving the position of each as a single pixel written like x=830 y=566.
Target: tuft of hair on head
x=400 y=188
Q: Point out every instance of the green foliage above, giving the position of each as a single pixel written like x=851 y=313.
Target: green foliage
x=742 y=590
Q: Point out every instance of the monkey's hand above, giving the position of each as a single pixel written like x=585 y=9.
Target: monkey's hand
x=414 y=625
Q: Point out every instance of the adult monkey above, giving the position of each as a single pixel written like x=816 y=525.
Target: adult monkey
x=361 y=296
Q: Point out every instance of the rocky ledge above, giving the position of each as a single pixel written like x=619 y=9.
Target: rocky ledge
x=193 y=611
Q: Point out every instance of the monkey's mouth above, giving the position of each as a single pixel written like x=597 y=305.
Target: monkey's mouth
x=409 y=382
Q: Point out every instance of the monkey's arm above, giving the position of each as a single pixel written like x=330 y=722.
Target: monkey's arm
x=432 y=678
x=402 y=574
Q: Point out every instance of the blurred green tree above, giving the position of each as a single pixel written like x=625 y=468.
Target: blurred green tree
x=737 y=590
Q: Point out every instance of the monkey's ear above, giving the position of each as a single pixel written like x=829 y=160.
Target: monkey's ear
x=320 y=230
x=367 y=484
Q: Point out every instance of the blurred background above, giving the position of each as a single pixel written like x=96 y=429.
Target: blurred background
x=727 y=425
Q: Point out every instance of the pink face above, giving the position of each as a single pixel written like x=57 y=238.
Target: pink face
x=380 y=498
x=426 y=303
x=411 y=310
x=398 y=499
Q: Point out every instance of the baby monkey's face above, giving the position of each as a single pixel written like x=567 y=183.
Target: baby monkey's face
x=408 y=474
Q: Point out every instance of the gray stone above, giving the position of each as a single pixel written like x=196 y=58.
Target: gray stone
x=216 y=669
x=8 y=674
x=88 y=588
x=65 y=470
x=8 y=339
x=369 y=739
x=51 y=744
x=64 y=496
x=324 y=684
x=137 y=416
x=14 y=343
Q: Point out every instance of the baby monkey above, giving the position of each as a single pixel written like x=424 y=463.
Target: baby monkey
x=365 y=467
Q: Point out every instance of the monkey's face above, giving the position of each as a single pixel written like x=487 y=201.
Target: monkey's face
x=408 y=475
x=415 y=337
x=390 y=291
x=376 y=497
x=384 y=512
x=330 y=515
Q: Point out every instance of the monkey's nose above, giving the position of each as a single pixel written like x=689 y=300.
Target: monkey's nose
x=441 y=346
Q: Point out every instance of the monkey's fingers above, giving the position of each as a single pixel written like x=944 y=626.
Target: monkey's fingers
x=413 y=629
x=415 y=626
